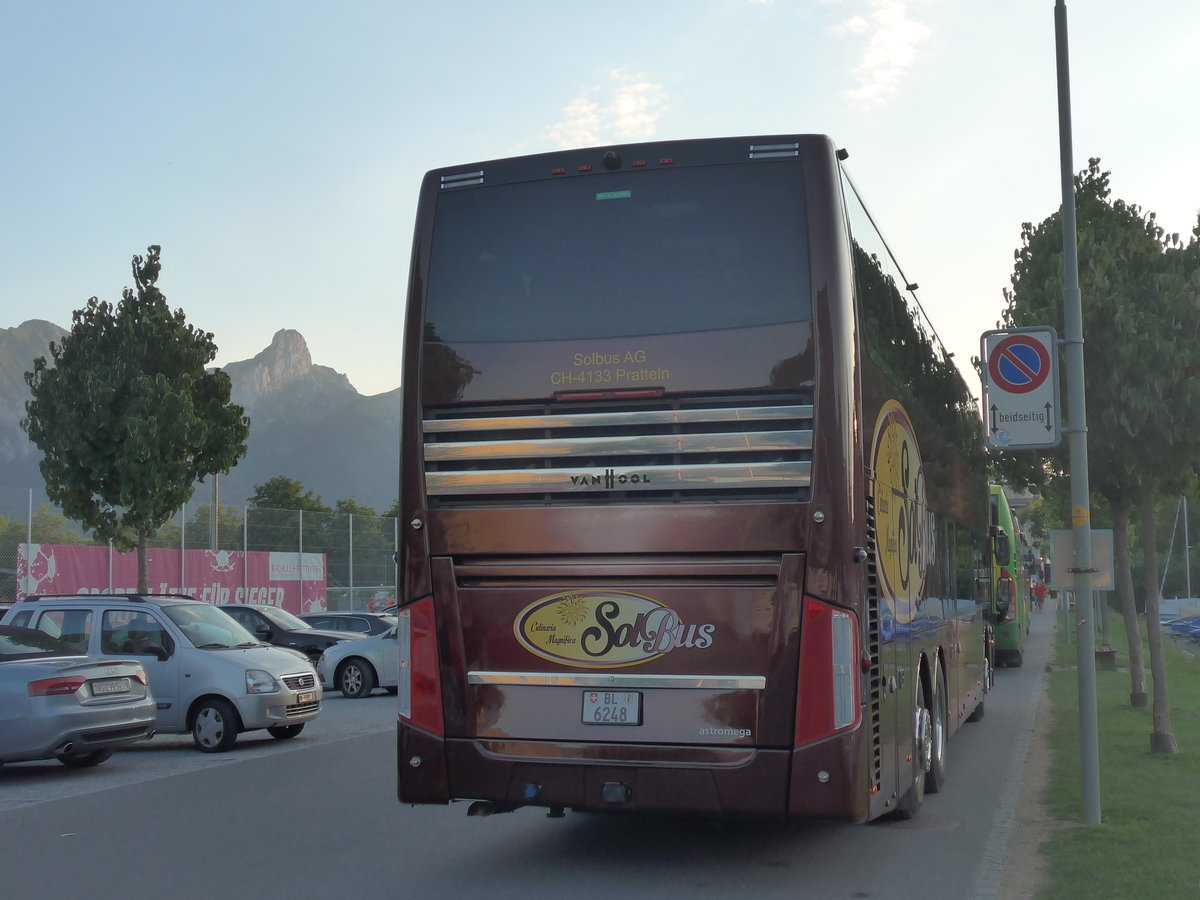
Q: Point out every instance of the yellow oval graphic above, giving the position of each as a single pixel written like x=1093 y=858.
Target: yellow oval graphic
x=904 y=523
x=604 y=629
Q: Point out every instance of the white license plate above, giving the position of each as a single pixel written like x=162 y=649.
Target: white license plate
x=111 y=686
x=306 y=697
x=612 y=708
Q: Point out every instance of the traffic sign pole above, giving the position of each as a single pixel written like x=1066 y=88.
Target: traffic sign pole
x=1089 y=753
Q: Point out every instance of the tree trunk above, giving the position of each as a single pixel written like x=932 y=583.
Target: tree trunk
x=1105 y=619
x=1137 y=674
x=1161 y=739
x=141 y=552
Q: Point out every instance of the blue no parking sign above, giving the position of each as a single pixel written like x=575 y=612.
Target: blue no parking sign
x=1020 y=388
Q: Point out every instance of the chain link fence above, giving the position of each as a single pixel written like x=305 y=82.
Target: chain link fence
x=359 y=568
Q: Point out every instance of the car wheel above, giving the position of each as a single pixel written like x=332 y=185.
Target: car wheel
x=84 y=760
x=356 y=678
x=283 y=732
x=215 y=726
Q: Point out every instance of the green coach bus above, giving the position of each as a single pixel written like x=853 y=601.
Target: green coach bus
x=1010 y=583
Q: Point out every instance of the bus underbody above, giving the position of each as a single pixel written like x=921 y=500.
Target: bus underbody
x=710 y=782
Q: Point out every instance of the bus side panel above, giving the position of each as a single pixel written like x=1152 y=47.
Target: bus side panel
x=966 y=673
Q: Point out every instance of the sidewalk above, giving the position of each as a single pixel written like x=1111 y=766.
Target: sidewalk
x=1021 y=872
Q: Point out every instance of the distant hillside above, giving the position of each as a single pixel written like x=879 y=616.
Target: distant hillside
x=306 y=422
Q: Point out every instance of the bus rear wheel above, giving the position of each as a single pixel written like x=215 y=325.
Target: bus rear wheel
x=938 y=723
x=914 y=797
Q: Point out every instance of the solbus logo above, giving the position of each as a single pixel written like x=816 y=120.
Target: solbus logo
x=605 y=629
x=904 y=523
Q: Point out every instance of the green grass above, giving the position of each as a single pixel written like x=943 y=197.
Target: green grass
x=1146 y=846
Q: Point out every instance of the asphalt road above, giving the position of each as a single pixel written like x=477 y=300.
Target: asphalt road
x=317 y=817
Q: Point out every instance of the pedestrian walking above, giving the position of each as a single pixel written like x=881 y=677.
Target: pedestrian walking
x=1039 y=593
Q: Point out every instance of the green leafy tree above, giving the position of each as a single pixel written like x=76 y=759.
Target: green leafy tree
x=276 y=513
x=128 y=418
x=229 y=526
x=1142 y=331
x=282 y=492
x=369 y=546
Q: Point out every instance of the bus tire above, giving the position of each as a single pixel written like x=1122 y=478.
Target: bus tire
x=989 y=660
x=914 y=797
x=976 y=713
x=939 y=726
x=1015 y=659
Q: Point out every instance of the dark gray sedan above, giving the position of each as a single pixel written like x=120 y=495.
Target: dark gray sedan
x=56 y=704
x=359 y=623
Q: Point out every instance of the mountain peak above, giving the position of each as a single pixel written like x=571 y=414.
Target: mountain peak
x=281 y=382
x=286 y=358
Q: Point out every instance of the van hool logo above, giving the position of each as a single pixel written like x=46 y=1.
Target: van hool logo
x=610 y=479
x=605 y=629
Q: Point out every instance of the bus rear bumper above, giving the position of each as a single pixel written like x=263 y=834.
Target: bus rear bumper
x=713 y=782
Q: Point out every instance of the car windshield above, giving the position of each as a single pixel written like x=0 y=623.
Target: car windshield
x=283 y=618
x=208 y=628
x=26 y=643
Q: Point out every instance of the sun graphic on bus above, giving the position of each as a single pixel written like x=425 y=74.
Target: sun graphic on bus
x=572 y=610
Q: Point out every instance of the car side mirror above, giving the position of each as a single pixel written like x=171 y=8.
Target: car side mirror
x=156 y=651
x=390 y=635
x=263 y=631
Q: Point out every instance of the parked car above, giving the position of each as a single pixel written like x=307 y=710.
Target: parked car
x=283 y=629
x=358 y=667
x=356 y=623
x=57 y=704
x=209 y=676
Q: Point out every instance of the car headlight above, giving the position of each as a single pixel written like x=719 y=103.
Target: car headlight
x=260 y=682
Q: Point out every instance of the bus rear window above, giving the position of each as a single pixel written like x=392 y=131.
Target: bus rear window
x=621 y=254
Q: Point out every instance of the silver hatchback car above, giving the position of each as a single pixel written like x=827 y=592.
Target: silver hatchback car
x=209 y=676
x=56 y=704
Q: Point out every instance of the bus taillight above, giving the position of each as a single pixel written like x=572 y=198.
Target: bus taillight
x=829 y=673
x=419 y=692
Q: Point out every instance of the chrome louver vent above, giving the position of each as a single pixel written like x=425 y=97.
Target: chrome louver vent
x=700 y=452
x=462 y=179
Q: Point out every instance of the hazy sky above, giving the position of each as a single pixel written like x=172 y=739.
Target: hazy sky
x=274 y=149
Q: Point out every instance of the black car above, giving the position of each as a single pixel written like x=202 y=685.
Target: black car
x=356 y=623
x=281 y=628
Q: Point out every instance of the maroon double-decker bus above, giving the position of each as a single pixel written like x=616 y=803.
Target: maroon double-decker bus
x=693 y=512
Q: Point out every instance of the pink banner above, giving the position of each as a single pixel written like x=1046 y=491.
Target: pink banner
x=293 y=581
